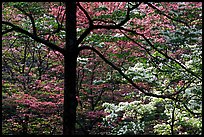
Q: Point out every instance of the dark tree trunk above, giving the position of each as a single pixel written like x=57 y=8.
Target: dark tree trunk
x=70 y=60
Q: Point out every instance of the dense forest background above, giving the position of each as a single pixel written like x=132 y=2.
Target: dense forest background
x=138 y=68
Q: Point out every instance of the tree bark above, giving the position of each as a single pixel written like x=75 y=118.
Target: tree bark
x=70 y=60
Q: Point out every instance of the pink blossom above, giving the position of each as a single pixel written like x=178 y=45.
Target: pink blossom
x=58 y=89
x=47 y=88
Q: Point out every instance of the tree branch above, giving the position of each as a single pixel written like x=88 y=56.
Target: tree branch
x=7 y=31
x=87 y=31
x=31 y=19
x=148 y=41
x=124 y=76
x=84 y=35
x=57 y=30
x=168 y=57
x=189 y=110
x=162 y=13
x=86 y=13
x=92 y=26
x=34 y=37
x=118 y=26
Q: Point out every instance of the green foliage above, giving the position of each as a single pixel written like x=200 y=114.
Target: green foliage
x=101 y=8
x=30 y=7
x=162 y=129
x=184 y=123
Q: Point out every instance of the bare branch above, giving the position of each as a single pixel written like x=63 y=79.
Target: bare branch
x=189 y=110
x=118 y=26
x=7 y=31
x=57 y=30
x=86 y=13
x=170 y=96
x=35 y=37
x=127 y=17
x=31 y=19
x=168 y=57
x=162 y=13
x=84 y=35
x=92 y=26
x=87 y=31
x=148 y=41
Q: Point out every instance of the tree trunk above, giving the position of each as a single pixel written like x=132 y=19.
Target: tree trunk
x=70 y=60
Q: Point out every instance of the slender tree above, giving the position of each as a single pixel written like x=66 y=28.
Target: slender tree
x=70 y=60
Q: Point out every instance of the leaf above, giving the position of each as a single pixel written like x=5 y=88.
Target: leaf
x=101 y=8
